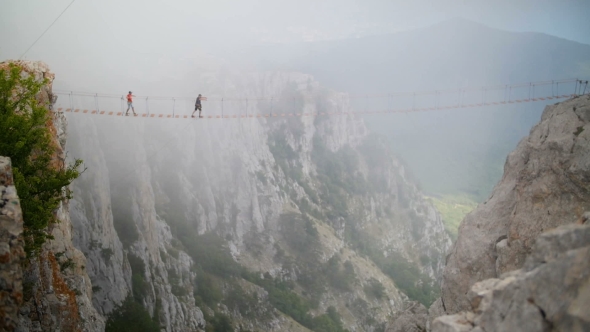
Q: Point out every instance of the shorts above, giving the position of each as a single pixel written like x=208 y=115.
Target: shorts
x=129 y=104
x=198 y=107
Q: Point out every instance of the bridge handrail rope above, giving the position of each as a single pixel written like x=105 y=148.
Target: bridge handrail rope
x=352 y=96
x=413 y=109
x=460 y=94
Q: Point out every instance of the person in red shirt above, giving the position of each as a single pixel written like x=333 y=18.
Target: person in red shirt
x=130 y=104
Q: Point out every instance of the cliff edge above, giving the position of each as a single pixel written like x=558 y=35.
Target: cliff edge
x=546 y=183
x=11 y=249
x=52 y=290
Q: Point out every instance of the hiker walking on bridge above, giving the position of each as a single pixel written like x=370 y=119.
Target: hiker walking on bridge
x=198 y=105
x=130 y=104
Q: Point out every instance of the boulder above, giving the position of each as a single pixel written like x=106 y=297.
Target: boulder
x=551 y=293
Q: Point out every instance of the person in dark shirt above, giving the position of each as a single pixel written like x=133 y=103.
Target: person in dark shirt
x=198 y=106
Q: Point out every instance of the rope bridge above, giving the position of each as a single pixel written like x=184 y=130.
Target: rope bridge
x=417 y=101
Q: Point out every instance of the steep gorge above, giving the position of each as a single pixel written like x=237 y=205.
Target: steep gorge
x=286 y=224
x=315 y=210
x=520 y=262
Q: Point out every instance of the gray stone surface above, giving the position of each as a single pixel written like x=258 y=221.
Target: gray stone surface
x=11 y=249
x=436 y=310
x=551 y=294
x=546 y=183
x=553 y=244
x=55 y=298
x=461 y=322
x=413 y=319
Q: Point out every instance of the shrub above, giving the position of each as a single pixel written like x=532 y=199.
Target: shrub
x=328 y=322
x=218 y=323
x=140 y=286
x=210 y=252
x=207 y=290
x=107 y=253
x=130 y=316
x=374 y=289
x=42 y=185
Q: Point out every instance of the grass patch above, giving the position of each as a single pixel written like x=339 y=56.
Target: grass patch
x=453 y=209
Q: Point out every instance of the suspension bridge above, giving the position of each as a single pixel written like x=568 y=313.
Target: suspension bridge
x=398 y=102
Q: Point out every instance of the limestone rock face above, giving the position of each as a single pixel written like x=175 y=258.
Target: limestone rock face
x=413 y=319
x=11 y=249
x=238 y=178
x=546 y=183
x=551 y=294
x=57 y=291
x=436 y=310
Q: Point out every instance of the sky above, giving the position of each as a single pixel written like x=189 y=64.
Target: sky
x=151 y=38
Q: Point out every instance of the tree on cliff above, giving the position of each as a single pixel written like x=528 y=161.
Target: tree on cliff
x=40 y=178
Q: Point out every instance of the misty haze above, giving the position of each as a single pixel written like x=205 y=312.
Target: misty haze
x=379 y=166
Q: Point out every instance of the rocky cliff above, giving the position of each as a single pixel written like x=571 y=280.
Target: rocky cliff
x=314 y=207
x=12 y=252
x=285 y=224
x=56 y=291
x=546 y=183
x=550 y=293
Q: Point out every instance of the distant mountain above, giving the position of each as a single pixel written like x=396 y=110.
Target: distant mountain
x=451 y=151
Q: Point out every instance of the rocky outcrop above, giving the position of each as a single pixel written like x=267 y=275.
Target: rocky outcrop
x=413 y=319
x=11 y=249
x=56 y=287
x=546 y=183
x=551 y=292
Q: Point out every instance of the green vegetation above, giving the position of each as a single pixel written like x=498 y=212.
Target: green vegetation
x=374 y=289
x=405 y=274
x=409 y=279
x=338 y=277
x=107 y=253
x=40 y=180
x=217 y=271
x=140 y=286
x=123 y=218
x=218 y=323
x=282 y=297
x=207 y=290
x=453 y=209
x=338 y=177
x=303 y=240
x=131 y=316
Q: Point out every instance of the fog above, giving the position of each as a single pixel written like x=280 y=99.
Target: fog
x=110 y=45
x=182 y=48
x=265 y=210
